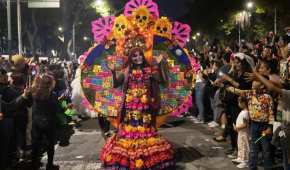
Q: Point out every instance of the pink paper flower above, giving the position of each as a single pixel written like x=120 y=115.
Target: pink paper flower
x=102 y=27
x=134 y=4
x=181 y=33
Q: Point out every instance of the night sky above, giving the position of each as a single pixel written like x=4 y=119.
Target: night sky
x=200 y=14
x=205 y=16
x=170 y=8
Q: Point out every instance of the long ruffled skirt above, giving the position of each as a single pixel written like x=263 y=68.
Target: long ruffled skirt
x=137 y=148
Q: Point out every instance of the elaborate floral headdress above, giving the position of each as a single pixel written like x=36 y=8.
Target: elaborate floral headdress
x=140 y=17
x=133 y=43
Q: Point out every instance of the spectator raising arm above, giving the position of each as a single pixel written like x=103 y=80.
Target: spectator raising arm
x=238 y=92
x=230 y=80
x=265 y=81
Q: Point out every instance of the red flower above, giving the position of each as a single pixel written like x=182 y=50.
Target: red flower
x=132 y=164
x=124 y=162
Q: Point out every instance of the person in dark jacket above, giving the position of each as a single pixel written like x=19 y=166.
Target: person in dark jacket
x=8 y=101
x=21 y=115
x=45 y=107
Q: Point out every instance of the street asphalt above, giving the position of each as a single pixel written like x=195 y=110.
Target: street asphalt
x=194 y=144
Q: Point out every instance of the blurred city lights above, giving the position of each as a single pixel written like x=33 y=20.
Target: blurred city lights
x=60 y=29
x=86 y=38
x=102 y=7
x=250 y=5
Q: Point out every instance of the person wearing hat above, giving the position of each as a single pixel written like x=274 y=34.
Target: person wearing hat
x=19 y=65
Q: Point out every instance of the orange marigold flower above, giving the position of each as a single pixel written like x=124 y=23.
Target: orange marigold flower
x=108 y=158
x=139 y=163
x=151 y=141
x=141 y=129
x=128 y=128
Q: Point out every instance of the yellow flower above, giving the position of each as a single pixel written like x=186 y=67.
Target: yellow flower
x=108 y=158
x=141 y=129
x=151 y=141
x=129 y=98
x=144 y=99
x=128 y=128
x=139 y=163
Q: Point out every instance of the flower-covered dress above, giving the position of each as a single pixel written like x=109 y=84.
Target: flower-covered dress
x=137 y=145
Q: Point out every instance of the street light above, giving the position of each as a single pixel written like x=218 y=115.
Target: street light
x=86 y=38
x=102 y=7
x=198 y=34
x=99 y=2
x=250 y=5
x=60 y=29
x=243 y=18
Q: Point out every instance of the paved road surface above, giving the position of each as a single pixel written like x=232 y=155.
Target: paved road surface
x=195 y=149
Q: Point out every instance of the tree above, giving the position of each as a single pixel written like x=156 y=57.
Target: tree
x=283 y=13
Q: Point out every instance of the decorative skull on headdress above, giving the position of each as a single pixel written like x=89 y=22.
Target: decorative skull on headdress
x=141 y=16
x=163 y=27
x=121 y=26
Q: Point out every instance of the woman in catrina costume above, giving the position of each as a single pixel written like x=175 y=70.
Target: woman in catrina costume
x=135 y=76
x=137 y=145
